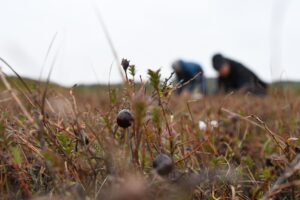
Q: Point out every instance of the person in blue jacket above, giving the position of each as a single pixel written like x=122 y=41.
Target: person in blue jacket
x=185 y=72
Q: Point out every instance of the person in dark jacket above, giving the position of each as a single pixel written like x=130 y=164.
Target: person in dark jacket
x=185 y=72
x=235 y=76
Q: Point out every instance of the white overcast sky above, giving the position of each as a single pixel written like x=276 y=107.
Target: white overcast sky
x=263 y=34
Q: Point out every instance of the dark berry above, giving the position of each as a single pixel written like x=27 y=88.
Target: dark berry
x=163 y=164
x=125 y=64
x=124 y=118
x=269 y=162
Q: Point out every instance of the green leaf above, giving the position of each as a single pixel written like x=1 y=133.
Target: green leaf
x=154 y=79
x=132 y=71
x=157 y=117
x=22 y=118
x=247 y=160
x=113 y=96
x=265 y=173
x=5 y=115
x=65 y=142
x=2 y=128
x=218 y=161
x=16 y=154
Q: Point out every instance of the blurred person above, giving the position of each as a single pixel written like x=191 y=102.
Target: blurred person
x=234 y=76
x=185 y=74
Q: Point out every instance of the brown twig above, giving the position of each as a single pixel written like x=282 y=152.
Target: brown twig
x=178 y=86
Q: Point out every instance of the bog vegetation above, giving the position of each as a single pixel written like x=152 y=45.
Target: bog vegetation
x=140 y=141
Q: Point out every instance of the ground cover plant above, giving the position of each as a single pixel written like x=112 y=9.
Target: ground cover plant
x=141 y=141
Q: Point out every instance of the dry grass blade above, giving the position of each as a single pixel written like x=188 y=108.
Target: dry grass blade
x=48 y=80
x=15 y=97
x=241 y=117
x=14 y=71
x=293 y=168
x=5 y=100
x=279 y=141
x=30 y=146
x=47 y=54
x=108 y=38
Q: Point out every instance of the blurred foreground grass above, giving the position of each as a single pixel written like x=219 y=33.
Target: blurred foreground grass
x=222 y=147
